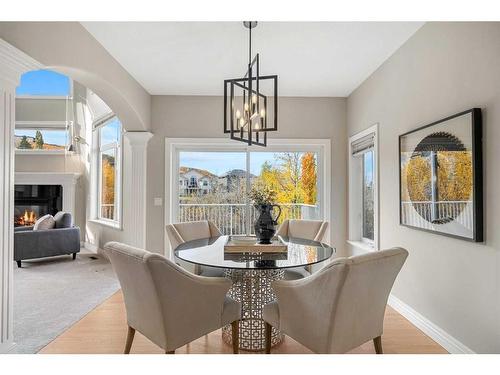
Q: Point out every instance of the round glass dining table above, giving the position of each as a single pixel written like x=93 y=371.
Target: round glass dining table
x=251 y=274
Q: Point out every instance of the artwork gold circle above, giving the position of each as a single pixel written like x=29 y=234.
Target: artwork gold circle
x=439 y=169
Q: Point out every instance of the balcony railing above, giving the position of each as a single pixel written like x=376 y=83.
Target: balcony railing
x=231 y=218
x=108 y=211
x=421 y=213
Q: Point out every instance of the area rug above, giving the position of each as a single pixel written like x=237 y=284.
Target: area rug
x=52 y=294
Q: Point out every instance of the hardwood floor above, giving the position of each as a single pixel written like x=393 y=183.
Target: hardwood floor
x=104 y=331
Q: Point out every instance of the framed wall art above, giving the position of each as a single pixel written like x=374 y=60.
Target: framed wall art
x=440 y=177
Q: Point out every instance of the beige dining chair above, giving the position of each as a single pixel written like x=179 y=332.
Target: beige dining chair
x=179 y=233
x=167 y=304
x=339 y=307
x=313 y=230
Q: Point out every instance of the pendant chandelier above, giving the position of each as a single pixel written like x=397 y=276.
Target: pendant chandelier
x=251 y=102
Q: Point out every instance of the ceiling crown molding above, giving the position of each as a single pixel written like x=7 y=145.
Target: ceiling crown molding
x=14 y=62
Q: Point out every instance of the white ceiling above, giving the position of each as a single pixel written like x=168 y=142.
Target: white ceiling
x=193 y=58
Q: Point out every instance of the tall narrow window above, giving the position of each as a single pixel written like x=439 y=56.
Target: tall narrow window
x=108 y=140
x=368 y=218
x=363 y=205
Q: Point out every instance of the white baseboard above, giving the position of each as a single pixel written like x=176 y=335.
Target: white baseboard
x=451 y=344
x=93 y=248
x=7 y=347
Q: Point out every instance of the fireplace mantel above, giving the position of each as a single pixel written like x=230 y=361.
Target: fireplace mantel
x=66 y=180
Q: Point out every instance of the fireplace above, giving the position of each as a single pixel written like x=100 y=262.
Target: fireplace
x=34 y=201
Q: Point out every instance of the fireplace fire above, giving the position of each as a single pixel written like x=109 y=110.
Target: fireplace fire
x=27 y=219
x=33 y=201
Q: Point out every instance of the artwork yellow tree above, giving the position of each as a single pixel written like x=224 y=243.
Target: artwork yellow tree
x=454 y=177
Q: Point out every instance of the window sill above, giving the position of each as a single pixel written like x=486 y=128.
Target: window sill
x=364 y=246
x=107 y=223
x=35 y=152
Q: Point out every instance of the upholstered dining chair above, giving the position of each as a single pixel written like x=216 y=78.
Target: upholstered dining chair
x=167 y=304
x=339 y=307
x=183 y=232
x=313 y=230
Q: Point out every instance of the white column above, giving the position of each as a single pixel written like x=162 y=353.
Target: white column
x=12 y=64
x=136 y=221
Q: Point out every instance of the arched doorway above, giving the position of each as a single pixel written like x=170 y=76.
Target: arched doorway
x=13 y=63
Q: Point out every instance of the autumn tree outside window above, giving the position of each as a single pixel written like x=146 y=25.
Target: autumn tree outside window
x=225 y=175
x=108 y=138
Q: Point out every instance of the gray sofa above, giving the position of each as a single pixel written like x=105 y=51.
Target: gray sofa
x=31 y=244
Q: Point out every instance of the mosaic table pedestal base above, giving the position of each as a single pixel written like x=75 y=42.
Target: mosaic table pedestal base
x=253 y=289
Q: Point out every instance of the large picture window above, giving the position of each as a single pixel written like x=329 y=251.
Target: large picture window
x=108 y=139
x=214 y=182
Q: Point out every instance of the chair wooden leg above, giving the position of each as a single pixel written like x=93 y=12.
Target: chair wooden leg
x=170 y=352
x=235 y=331
x=269 y=330
x=130 y=338
x=377 y=342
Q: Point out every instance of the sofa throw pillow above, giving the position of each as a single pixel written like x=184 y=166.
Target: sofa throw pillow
x=45 y=222
x=63 y=220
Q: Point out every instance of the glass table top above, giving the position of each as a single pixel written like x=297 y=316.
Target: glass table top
x=210 y=252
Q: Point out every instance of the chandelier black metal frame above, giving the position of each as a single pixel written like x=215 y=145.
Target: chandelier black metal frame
x=250 y=122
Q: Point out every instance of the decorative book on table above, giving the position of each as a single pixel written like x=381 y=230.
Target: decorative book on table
x=236 y=244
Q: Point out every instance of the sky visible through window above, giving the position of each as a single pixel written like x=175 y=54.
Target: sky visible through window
x=368 y=167
x=44 y=82
x=52 y=137
x=220 y=162
x=111 y=132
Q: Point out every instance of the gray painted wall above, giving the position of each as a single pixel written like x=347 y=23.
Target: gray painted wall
x=201 y=116
x=443 y=69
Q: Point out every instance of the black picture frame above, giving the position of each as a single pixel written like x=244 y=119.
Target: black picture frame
x=477 y=175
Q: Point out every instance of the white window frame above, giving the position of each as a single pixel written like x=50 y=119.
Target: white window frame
x=175 y=145
x=96 y=184
x=355 y=188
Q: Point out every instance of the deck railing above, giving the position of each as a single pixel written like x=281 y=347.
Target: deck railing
x=231 y=218
x=108 y=211
x=422 y=213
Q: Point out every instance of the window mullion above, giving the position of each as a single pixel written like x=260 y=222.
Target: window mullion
x=248 y=208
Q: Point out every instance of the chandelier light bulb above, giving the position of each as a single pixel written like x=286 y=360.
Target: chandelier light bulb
x=246 y=107
x=242 y=122
x=257 y=126
x=254 y=99
x=262 y=113
x=238 y=114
